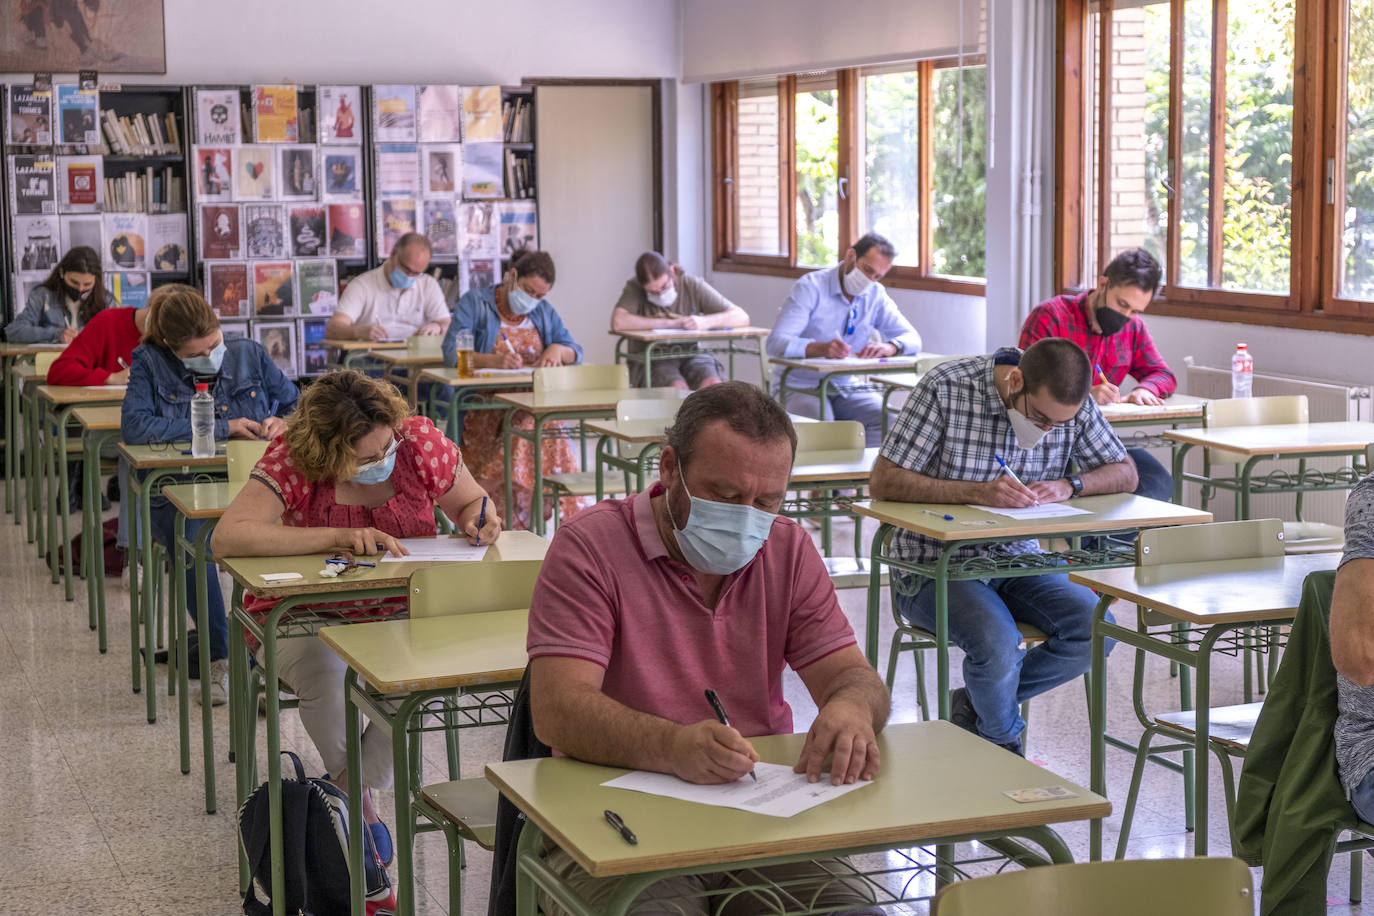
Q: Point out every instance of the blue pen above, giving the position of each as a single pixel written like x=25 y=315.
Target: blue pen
x=1100 y=376
x=943 y=515
x=481 y=520
x=272 y=411
x=510 y=346
x=1012 y=474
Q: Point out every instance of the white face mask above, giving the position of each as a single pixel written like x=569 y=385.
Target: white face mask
x=665 y=298
x=856 y=282
x=1028 y=435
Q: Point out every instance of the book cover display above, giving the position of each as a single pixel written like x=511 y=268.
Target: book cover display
x=273 y=288
x=226 y=288
x=308 y=231
x=398 y=170
x=278 y=338
x=35 y=242
x=297 y=173
x=442 y=170
x=30 y=116
x=214 y=168
x=338 y=108
x=341 y=173
x=394 y=219
x=220 y=232
x=126 y=241
x=217 y=117
x=317 y=287
x=80 y=184
x=264 y=232
x=33 y=180
x=441 y=114
x=253 y=173
x=130 y=288
x=78 y=111
x=347 y=230
x=275 y=114
x=440 y=226
x=80 y=231
x=167 y=242
x=482 y=114
x=519 y=226
x=393 y=118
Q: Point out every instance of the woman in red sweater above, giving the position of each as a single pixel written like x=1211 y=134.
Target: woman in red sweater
x=100 y=354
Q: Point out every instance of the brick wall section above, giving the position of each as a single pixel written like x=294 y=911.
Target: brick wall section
x=1128 y=193
x=757 y=182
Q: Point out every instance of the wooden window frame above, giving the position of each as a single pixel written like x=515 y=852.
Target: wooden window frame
x=849 y=170
x=1313 y=301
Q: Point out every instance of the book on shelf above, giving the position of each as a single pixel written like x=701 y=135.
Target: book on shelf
x=482 y=114
x=440 y=113
x=395 y=217
x=78 y=113
x=347 y=230
x=317 y=286
x=515 y=119
x=130 y=287
x=393 y=113
x=519 y=183
x=519 y=226
x=29 y=116
x=146 y=190
x=33 y=181
x=126 y=241
x=221 y=236
x=308 y=230
x=338 y=108
x=341 y=173
x=80 y=184
x=398 y=170
x=264 y=231
x=35 y=242
x=273 y=288
x=440 y=226
x=226 y=289
x=82 y=230
x=253 y=173
x=276 y=114
x=140 y=134
x=297 y=177
x=482 y=171
x=167 y=242
x=441 y=170
x=218 y=122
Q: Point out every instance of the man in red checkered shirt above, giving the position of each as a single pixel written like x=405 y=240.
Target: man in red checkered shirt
x=1106 y=323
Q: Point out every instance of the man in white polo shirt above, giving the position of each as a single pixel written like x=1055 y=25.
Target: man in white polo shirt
x=394 y=301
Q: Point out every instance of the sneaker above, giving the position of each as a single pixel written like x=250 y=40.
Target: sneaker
x=217 y=683
x=1014 y=747
x=381 y=841
x=961 y=711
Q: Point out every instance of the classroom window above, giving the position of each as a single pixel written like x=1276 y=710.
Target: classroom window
x=857 y=149
x=1356 y=155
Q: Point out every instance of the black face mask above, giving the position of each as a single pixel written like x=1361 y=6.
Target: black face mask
x=79 y=295
x=1110 y=320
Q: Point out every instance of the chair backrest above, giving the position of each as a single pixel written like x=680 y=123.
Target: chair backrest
x=1133 y=887
x=575 y=378
x=930 y=360
x=1261 y=537
x=421 y=344
x=830 y=436
x=647 y=408
x=241 y=455
x=470 y=588
x=42 y=362
x=1255 y=411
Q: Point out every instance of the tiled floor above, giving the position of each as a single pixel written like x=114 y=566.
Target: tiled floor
x=99 y=820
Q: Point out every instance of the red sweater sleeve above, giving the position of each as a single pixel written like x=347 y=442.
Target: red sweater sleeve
x=95 y=353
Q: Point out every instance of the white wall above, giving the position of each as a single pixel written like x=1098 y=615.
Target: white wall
x=727 y=39
x=413 y=41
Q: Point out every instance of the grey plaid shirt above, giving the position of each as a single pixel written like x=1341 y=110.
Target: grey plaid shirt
x=953 y=426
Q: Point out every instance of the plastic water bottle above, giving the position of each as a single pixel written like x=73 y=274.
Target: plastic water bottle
x=1242 y=371
x=202 y=422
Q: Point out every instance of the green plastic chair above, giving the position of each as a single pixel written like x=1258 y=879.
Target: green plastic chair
x=240 y=455
x=1179 y=887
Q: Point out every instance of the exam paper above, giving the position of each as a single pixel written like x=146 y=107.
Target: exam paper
x=441 y=549
x=779 y=792
x=105 y=387
x=1126 y=407
x=482 y=373
x=1045 y=510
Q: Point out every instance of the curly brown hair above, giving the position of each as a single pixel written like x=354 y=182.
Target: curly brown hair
x=178 y=313
x=332 y=415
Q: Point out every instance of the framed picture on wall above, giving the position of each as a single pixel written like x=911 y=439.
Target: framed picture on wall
x=113 y=36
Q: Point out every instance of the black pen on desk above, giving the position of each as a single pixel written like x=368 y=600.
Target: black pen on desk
x=614 y=820
x=723 y=718
x=481 y=520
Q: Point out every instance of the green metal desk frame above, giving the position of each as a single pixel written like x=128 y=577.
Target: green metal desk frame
x=681 y=348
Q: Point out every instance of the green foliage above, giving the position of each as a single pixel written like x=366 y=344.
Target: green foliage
x=818 y=137
x=958 y=193
x=892 y=125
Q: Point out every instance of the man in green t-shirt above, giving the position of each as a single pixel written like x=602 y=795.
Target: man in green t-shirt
x=661 y=295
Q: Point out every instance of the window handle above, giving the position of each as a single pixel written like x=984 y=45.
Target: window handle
x=844 y=189
x=1164 y=183
x=728 y=180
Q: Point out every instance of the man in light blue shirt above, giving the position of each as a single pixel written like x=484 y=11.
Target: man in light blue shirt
x=844 y=311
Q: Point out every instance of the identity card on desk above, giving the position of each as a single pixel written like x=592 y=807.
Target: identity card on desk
x=779 y=792
x=437 y=550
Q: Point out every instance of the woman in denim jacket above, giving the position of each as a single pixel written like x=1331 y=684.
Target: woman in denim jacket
x=62 y=304
x=183 y=345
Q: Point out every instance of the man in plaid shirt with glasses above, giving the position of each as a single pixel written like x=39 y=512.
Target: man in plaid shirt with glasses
x=1033 y=410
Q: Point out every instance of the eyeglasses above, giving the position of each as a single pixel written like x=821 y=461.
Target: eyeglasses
x=377 y=462
x=1039 y=419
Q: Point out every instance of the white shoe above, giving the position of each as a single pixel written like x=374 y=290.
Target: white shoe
x=218 y=683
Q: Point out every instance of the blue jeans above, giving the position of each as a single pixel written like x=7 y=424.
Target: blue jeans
x=998 y=674
x=1154 y=480
x=1363 y=798
x=163 y=517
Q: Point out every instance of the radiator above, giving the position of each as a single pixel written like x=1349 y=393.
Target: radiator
x=1326 y=401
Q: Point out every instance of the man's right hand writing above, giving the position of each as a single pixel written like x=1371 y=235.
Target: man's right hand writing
x=244 y=428
x=708 y=753
x=373 y=332
x=367 y=542
x=1006 y=493
x=828 y=349
x=118 y=378
x=1106 y=393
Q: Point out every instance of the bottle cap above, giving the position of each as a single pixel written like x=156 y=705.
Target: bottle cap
x=202 y=386
x=1240 y=346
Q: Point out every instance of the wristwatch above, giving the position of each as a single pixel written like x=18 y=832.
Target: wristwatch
x=1077 y=483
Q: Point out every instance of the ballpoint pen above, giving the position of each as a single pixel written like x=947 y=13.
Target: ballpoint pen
x=615 y=821
x=947 y=517
x=120 y=360
x=723 y=718
x=1100 y=376
x=510 y=346
x=481 y=520
x=1012 y=474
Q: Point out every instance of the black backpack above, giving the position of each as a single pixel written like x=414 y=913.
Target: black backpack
x=315 y=840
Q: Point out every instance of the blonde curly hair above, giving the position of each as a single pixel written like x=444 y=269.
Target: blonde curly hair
x=332 y=415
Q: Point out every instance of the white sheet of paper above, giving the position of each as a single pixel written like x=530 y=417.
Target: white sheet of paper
x=1126 y=407
x=482 y=373
x=1046 y=510
x=105 y=387
x=681 y=331
x=441 y=549
x=779 y=792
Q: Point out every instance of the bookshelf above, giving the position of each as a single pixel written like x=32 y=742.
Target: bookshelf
x=104 y=168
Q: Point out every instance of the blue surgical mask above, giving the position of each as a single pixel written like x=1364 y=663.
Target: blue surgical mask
x=520 y=302
x=375 y=471
x=207 y=365
x=720 y=538
x=400 y=279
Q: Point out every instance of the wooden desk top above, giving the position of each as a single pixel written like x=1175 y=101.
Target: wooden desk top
x=447 y=376
x=512 y=545
x=579 y=400
x=819 y=467
x=434 y=653
x=634 y=432
x=936 y=780
x=1177 y=407
x=363 y=344
x=1285 y=439
x=202 y=500
x=1108 y=513
x=1227 y=591
x=647 y=336
x=66 y=395
x=831 y=366
x=145 y=457
x=408 y=357
x=98 y=418
x=16 y=349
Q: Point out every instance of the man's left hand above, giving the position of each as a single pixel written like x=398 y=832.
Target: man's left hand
x=1051 y=491
x=877 y=351
x=1144 y=397
x=429 y=330
x=845 y=730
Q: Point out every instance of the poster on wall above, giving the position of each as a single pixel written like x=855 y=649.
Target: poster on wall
x=111 y=36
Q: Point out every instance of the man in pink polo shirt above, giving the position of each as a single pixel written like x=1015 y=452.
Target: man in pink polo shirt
x=644 y=603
